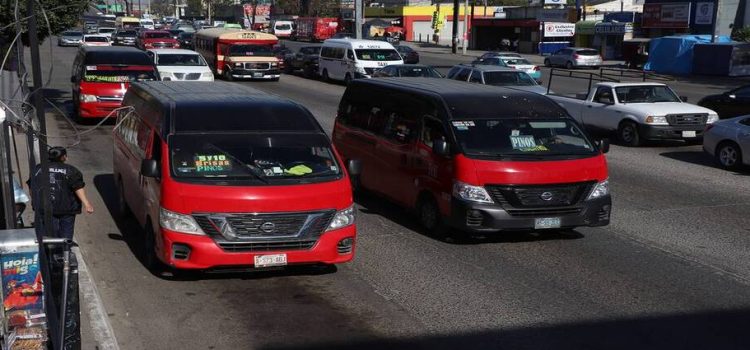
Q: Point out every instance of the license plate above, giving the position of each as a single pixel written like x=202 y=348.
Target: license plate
x=688 y=134
x=257 y=75
x=541 y=223
x=270 y=260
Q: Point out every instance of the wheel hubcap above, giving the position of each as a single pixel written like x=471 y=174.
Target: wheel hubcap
x=627 y=134
x=728 y=156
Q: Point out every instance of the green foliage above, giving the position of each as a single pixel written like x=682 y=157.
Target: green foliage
x=323 y=8
x=741 y=34
x=62 y=15
x=162 y=7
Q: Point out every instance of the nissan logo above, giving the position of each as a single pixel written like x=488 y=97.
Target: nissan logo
x=546 y=196
x=268 y=227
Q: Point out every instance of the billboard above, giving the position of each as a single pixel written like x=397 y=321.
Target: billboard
x=671 y=15
x=559 y=29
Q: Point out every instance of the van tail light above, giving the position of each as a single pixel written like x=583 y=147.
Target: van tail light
x=536 y=68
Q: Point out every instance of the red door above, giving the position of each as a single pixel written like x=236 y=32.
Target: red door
x=434 y=172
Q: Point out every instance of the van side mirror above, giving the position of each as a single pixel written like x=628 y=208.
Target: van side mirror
x=150 y=168
x=440 y=147
x=354 y=166
x=603 y=145
x=683 y=98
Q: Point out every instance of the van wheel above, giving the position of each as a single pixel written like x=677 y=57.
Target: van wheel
x=431 y=219
x=547 y=63
x=123 y=211
x=729 y=155
x=628 y=134
x=348 y=79
x=325 y=76
x=228 y=75
x=150 y=259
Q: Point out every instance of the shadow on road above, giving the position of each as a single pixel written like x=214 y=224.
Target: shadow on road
x=723 y=330
x=701 y=158
x=132 y=234
x=375 y=205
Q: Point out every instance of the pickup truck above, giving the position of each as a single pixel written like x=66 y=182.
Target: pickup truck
x=305 y=59
x=637 y=112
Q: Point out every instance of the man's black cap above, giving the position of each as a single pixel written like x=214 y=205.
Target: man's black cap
x=56 y=153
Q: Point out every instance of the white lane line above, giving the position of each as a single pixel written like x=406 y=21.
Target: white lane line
x=102 y=329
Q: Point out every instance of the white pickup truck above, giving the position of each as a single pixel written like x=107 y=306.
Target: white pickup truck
x=637 y=112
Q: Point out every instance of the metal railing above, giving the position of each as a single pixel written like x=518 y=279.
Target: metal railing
x=634 y=74
x=576 y=74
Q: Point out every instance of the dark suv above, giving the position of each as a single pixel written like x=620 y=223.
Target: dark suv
x=305 y=59
x=124 y=37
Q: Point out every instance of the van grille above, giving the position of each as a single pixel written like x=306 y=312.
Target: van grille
x=539 y=196
x=237 y=247
x=187 y=76
x=687 y=119
x=258 y=65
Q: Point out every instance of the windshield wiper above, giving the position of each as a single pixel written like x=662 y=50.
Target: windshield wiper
x=253 y=170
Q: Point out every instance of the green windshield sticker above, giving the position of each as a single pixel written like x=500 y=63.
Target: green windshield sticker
x=212 y=163
x=106 y=79
x=522 y=142
x=299 y=170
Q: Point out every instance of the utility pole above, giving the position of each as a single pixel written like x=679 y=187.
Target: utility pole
x=715 y=32
x=454 y=40
x=358 y=15
x=466 y=26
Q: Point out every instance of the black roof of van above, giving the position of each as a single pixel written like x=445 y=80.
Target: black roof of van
x=471 y=100
x=224 y=107
x=115 y=55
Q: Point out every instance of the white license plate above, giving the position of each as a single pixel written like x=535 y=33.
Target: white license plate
x=270 y=260
x=541 y=223
x=257 y=75
x=688 y=134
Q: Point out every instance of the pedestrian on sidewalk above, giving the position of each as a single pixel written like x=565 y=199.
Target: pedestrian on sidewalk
x=67 y=194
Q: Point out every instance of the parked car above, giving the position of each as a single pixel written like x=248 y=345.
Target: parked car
x=70 y=38
x=637 y=112
x=349 y=59
x=493 y=54
x=222 y=175
x=156 y=39
x=106 y=31
x=728 y=141
x=89 y=27
x=181 y=65
x=95 y=40
x=524 y=65
x=473 y=158
x=574 y=57
x=490 y=61
x=407 y=70
x=305 y=59
x=100 y=76
x=124 y=37
x=410 y=55
x=186 y=40
x=730 y=104
x=496 y=76
x=280 y=52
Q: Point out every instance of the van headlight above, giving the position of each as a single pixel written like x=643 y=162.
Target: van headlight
x=179 y=223
x=600 y=190
x=471 y=193
x=88 y=98
x=343 y=218
x=712 y=118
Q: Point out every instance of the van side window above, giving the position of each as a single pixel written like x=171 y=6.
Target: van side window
x=432 y=130
x=401 y=126
x=452 y=73
x=378 y=118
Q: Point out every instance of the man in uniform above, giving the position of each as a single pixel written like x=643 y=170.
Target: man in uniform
x=67 y=196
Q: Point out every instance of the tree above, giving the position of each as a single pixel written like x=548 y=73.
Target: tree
x=741 y=34
x=62 y=15
x=162 y=7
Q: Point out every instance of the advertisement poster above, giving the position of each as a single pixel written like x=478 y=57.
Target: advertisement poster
x=704 y=13
x=558 y=29
x=22 y=281
x=671 y=15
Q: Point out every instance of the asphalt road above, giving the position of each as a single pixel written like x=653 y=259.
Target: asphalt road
x=671 y=271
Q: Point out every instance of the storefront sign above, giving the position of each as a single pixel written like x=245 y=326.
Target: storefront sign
x=610 y=28
x=552 y=15
x=260 y=10
x=672 y=15
x=554 y=2
x=557 y=29
x=704 y=13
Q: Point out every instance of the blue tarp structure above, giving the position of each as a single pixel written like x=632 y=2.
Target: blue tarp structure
x=674 y=54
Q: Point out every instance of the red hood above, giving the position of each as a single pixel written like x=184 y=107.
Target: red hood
x=159 y=40
x=104 y=89
x=195 y=198
x=482 y=172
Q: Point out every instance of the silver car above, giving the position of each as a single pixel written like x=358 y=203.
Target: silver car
x=70 y=38
x=727 y=140
x=574 y=57
x=496 y=76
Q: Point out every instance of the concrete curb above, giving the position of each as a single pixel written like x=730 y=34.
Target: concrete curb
x=94 y=307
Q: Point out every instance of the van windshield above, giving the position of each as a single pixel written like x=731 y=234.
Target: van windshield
x=283 y=27
x=378 y=55
x=99 y=75
x=261 y=157
x=250 y=50
x=521 y=138
x=157 y=35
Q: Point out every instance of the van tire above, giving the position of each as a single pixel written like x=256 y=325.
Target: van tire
x=628 y=134
x=347 y=79
x=325 y=76
x=150 y=259
x=430 y=217
x=228 y=75
x=123 y=210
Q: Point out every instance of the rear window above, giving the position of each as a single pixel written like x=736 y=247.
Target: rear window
x=95 y=39
x=211 y=117
x=588 y=52
x=130 y=33
x=107 y=30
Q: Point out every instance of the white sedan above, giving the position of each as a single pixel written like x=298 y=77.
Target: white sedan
x=95 y=40
x=728 y=141
x=181 y=65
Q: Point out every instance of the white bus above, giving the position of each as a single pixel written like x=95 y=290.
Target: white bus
x=347 y=59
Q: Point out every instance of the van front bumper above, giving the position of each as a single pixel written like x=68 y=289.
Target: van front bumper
x=205 y=253
x=670 y=132
x=256 y=74
x=97 y=109
x=477 y=217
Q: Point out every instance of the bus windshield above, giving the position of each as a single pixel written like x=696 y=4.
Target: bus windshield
x=250 y=50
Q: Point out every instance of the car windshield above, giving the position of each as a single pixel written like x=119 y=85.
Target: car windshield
x=255 y=156
x=508 y=79
x=175 y=32
x=588 y=52
x=106 y=30
x=283 y=27
x=521 y=138
x=512 y=61
x=313 y=50
x=129 y=33
x=186 y=36
x=378 y=55
x=181 y=60
x=118 y=75
x=95 y=39
x=76 y=34
x=424 y=72
x=645 y=94
x=157 y=35
x=250 y=50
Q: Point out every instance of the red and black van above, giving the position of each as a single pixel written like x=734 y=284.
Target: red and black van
x=102 y=75
x=473 y=157
x=222 y=175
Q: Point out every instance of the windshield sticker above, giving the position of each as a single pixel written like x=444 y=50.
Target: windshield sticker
x=522 y=142
x=548 y=125
x=212 y=163
x=462 y=125
x=106 y=78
